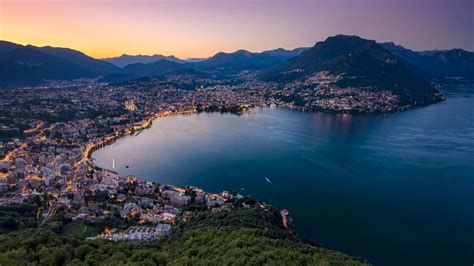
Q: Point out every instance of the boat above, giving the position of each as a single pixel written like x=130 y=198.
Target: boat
x=268 y=180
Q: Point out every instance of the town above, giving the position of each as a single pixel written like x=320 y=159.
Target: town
x=50 y=132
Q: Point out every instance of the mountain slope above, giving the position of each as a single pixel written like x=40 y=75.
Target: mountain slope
x=30 y=65
x=118 y=77
x=453 y=64
x=236 y=62
x=360 y=63
x=80 y=59
x=125 y=59
x=449 y=66
x=153 y=69
x=220 y=65
x=280 y=52
x=7 y=46
x=26 y=66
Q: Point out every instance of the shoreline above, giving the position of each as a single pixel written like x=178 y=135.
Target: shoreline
x=92 y=147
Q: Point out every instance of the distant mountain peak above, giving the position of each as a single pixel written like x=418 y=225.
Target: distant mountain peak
x=238 y=52
x=159 y=67
x=242 y=51
x=125 y=59
x=287 y=53
x=358 y=63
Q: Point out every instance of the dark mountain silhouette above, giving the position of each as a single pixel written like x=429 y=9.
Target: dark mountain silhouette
x=225 y=64
x=30 y=65
x=7 y=46
x=26 y=66
x=449 y=66
x=221 y=64
x=125 y=59
x=362 y=63
x=234 y=63
x=195 y=59
x=80 y=59
x=159 y=67
x=117 y=77
x=185 y=79
x=280 y=52
x=189 y=72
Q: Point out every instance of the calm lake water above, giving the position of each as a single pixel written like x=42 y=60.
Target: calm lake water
x=396 y=189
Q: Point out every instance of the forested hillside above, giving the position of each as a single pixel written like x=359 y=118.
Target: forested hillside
x=246 y=237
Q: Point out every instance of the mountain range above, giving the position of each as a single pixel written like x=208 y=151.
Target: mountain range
x=123 y=60
x=220 y=65
x=378 y=64
x=241 y=60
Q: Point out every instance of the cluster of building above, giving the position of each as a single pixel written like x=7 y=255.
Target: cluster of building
x=319 y=92
x=47 y=135
x=136 y=233
x=46 y=158
x=154 y=210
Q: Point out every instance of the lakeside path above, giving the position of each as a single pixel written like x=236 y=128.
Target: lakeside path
x=91 y=147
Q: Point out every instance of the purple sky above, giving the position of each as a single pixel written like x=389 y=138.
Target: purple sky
x=199 y=28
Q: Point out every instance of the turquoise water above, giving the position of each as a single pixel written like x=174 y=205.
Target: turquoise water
x=396 y=189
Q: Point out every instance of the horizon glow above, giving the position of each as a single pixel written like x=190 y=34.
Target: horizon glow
x=201 y=28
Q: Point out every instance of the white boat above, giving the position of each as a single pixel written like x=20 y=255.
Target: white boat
x=268 y=180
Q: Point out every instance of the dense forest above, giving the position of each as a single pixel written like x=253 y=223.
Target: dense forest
x=252 y=236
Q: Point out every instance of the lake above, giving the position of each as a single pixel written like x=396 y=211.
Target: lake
x=396 y=189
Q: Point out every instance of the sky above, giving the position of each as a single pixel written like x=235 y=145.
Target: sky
x=201 y=28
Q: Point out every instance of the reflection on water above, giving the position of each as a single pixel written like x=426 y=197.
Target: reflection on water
x=392 y=188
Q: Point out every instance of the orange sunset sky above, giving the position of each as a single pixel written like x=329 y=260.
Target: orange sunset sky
x=201 y=28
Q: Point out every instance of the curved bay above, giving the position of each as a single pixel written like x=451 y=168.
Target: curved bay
x=394 y=189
